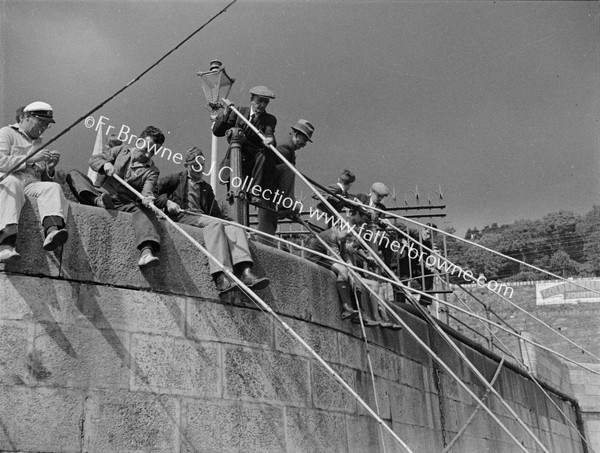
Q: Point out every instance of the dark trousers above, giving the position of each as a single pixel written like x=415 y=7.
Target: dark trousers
x=145 y=222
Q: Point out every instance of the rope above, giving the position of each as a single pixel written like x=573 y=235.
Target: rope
x=67 y=129
x=466 y=425
x=506 y=350
x=504 y=298
x=395 y=315
x=387 y=280
x=253 y=296
x=558 y=277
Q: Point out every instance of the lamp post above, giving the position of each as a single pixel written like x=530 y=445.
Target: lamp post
x=216 y=85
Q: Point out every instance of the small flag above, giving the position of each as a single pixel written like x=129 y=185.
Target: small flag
x=96 y=178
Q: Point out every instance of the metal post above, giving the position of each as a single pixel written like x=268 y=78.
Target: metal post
x=213 y=161
x=237 y=195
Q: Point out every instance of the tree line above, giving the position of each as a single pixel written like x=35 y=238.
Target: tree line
x=563 y=243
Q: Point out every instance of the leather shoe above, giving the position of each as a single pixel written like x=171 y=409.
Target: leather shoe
x=368 y=322
x=348 y=311
x=55 y=239
x=252 y=281
x=223 y=284
x=147 y=259
x=8 y=254
x=104 y=200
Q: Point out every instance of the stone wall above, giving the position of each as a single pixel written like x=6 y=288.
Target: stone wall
x=98 y=356
x=577 y=319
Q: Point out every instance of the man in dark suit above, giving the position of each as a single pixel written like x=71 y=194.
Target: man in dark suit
x=190 y=200
x=258 y=161
x=284 y=181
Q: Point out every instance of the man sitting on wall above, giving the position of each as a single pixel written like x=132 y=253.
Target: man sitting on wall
x=136 y=167
x=190 y=200
x=34 y=178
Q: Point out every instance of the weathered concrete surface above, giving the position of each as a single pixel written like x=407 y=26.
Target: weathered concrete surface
x=97 y=356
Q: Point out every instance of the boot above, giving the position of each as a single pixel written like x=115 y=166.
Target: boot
x=252 y=281
x=222 y=283
x=345 y=296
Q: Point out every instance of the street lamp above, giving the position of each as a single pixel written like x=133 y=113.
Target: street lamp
x=216 y=85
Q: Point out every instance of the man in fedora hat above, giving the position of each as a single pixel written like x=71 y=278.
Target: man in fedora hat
x=284 y=180
x=257 y=159
x=34 y=179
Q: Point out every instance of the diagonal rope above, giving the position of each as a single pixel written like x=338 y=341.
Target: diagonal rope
x=394 y=283
x=409 y=296
x=110 y=98
x=535 y=380
x=470 y=419
x=535 y=318
x=253 y=296
x=406 y=219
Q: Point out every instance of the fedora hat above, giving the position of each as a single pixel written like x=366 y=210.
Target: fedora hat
x=305 y=128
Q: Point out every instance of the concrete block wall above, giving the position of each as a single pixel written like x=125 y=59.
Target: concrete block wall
x=97 y=356
x=579 y=322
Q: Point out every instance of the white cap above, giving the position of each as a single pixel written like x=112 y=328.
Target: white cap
x=41 y=110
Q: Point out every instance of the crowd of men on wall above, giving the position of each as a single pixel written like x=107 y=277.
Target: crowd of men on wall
x=186 y=198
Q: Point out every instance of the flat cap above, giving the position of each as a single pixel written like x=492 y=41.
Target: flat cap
x=40 y=110
x=380 y=189
x=263 y=92
x=192 y=153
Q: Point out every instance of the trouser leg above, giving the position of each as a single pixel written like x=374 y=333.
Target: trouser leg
x=52 y=204
x=238 y=245
x=267 y=223
x=263 y=169
x=286 y=180
x=215 y=239
x=145 y=225
x=82 y=187
x=12 y=199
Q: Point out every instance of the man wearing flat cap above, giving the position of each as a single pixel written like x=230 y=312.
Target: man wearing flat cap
x=188 y=199
x=374 y=199
x=284 y=180
x=33 y=178
x=258 y=161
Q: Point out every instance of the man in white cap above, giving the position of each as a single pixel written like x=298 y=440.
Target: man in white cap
x=34 y=179
x=258 y=161
x=283 y=181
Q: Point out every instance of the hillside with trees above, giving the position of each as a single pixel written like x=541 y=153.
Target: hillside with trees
x=561 y=242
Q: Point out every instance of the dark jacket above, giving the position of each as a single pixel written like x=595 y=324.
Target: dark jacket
x=265 y=123
x=175 y=188
x=288 y=150
x=143 y=179
x=337 y=204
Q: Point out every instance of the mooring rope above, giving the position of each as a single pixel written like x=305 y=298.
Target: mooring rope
x=406 y=290
x=110 y=98
x=534 y=379
x=253 y=296
x=532 y=316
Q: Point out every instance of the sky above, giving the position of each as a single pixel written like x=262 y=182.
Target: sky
x=496 y=103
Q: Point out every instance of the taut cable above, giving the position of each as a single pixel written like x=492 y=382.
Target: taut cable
x=99 y=106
